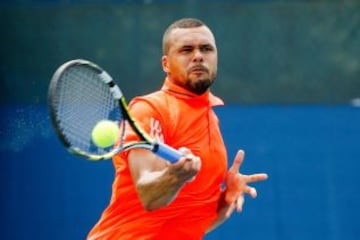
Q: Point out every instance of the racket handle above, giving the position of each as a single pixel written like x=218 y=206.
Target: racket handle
x=166 y=152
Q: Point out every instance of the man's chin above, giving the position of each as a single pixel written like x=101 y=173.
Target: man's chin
x=201 y=86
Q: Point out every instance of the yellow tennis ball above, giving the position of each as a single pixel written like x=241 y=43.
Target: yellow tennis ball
x=104 y=133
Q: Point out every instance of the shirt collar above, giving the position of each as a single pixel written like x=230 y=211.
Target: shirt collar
x=207 y=98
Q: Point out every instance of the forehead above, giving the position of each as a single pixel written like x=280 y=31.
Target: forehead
x=191 y=36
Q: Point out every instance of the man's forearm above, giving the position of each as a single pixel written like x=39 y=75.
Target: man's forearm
x=157 y=189
x=222 y=210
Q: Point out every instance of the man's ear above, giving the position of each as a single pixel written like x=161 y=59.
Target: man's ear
x=165 y=64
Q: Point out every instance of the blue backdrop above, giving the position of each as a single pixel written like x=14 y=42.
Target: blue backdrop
x=311 y=153
x=287 y=53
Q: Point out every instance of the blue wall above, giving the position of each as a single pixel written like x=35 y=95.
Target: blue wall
x=270 y=52
x=312 y=154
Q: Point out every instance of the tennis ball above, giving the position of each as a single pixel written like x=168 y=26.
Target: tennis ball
x=104 y=133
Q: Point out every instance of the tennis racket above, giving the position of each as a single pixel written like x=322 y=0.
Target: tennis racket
x=80 y=95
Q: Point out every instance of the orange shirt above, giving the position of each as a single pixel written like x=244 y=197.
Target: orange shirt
x=180 y=119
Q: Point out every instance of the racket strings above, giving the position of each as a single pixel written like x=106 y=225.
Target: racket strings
x=83 y=100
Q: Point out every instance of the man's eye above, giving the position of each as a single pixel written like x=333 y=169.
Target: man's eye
x=186 y=49
x=206 y=49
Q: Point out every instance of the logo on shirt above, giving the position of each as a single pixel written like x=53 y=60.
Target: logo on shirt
x=155 y=130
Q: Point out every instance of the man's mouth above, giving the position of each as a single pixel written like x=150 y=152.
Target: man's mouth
x=198 y=69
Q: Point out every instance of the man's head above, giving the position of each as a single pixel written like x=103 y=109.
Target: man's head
x=190 y=55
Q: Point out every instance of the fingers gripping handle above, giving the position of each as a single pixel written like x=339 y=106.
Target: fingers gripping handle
x=166 y=152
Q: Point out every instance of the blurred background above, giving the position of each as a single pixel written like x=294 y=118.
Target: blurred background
x=289 y=72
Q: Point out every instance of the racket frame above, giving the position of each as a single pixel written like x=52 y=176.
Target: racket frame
x=146 y=142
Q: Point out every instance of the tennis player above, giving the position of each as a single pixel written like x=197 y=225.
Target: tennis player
x=153 y=199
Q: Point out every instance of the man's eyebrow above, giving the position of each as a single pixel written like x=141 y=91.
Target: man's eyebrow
x=197 y=45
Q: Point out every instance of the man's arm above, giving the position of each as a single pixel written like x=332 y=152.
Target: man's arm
x=157 y=181
x=236 y=186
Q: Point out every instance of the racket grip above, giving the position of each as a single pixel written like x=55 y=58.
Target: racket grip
x=166 y=152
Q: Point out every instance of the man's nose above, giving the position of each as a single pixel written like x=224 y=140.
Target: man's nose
x=198 y=56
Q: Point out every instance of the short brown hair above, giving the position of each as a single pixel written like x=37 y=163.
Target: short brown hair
x=181 y=23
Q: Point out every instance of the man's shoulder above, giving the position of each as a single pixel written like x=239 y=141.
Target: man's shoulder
x=153 y=96
x=157 y=100
x=158 y=105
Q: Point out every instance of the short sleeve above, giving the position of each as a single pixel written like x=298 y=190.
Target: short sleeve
x=147 y=117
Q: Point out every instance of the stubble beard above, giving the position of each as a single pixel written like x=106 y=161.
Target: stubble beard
x=199 y=86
